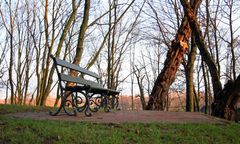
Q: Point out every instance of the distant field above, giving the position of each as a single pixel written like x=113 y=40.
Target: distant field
x=13 y=130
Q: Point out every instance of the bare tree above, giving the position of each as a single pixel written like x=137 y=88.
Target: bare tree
x=46 y=82
x=10 y=28
x=140 y=78
x=3 y=52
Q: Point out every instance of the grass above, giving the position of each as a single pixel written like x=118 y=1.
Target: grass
x=6 y=109
x=15 y=130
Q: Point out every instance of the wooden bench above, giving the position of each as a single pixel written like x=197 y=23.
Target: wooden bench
x=84 y=94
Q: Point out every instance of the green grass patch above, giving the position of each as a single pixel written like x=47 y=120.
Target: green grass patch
x=6 y=109
x=34 y=131
x=15 y=130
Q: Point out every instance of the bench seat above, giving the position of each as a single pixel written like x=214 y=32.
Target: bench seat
x=96 y=90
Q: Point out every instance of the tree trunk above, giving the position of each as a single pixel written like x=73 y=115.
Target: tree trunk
x=225 y=105
x=224 y=100
x=83 y=28
x=206 y=87
x=80 y=48
x=46 y=47
x=217 y=87
x=157 y=99
x=10 y=70
x=139 y=77
x=189 y=70
x=179 y=46
x=189 y=76
x=59 y=48
x=233 y=66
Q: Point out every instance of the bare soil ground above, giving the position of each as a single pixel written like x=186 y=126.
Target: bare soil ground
x=127 y=117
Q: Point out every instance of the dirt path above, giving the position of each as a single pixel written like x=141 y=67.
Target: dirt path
x=127 y=116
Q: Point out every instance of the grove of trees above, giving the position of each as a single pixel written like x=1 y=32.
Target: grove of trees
x=156 y=45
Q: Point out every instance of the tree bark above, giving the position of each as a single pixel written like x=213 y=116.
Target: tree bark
x=10 y=70
x=206 y=87
x=83 y=28
x=157 y=99
x=225 y=105
x=179 y=46
x=81 y=36
x=189 y=76
x=217 y=87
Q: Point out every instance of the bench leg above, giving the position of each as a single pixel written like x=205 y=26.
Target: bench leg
x=56 y=112
x=69 y=105
x=64 y=103
x=98 y=102
x=80 y=101
x=106 y=104
x=87 y=110
x=114 y=100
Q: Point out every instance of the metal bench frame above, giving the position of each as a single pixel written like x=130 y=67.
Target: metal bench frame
x=93 y=95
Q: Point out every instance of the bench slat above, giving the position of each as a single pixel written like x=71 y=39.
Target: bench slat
x=75 y=67
x=79 y=80
x=96 y=87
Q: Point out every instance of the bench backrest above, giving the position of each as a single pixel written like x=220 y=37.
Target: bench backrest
x=64 y=77
x=74 y=67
